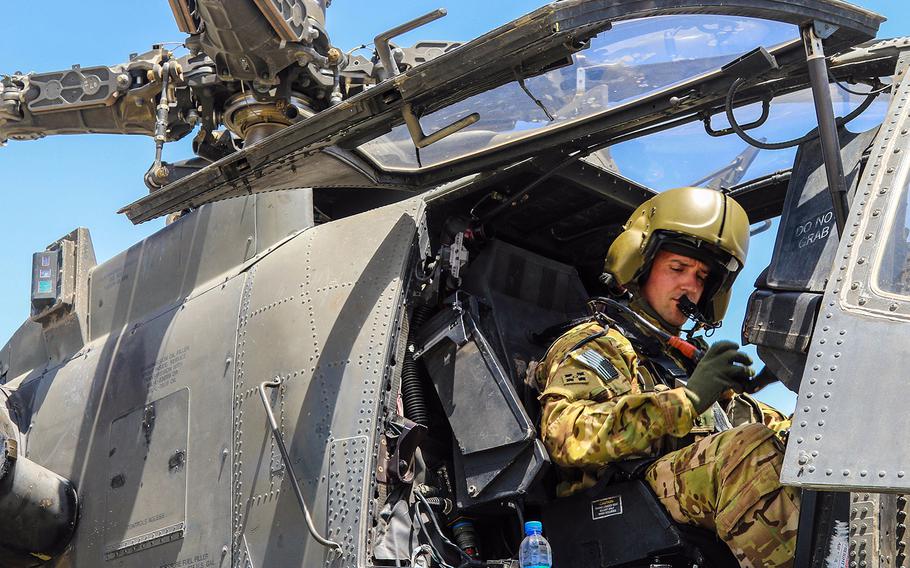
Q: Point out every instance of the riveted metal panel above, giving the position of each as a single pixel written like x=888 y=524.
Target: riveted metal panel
x=851 y=412
x=348 y=460
x=81 y=415
x=203 y=247
x=147 y=460
x=321 y=312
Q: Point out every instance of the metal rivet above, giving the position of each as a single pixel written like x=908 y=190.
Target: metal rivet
x=893 y=307
x=845 y=473
x=861 y=260
x=818 y=437
x=833 y=367
x=854 y=285
x=811 y=469
x=877 y=212
x=881 y=474
x=821 y=422
x=863 y=473
x=827 y=395
x=828 y=472
x=836 y=355
x=816 y=367
x=803 y=424
x=824 y=409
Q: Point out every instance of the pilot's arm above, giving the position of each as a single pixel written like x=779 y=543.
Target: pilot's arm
x=593 y=409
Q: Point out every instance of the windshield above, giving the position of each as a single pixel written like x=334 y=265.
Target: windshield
x=688 y=155
x=628 y=62
x=894 y=263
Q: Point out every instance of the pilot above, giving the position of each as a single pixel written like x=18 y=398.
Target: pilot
x=612 y=392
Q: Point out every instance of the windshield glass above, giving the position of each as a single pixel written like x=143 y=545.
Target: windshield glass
x=894 y=264
x=628 y=62
x=688 y=155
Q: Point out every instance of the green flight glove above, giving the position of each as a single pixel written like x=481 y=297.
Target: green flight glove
x=723 y=367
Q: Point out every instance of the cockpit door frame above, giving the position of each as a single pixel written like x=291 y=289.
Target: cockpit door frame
x=851 y=417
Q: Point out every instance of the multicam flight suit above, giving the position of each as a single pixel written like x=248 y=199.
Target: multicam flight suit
x=601 y=404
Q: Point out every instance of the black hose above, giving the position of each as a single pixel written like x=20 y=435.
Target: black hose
x=412 y=395
x=738 y=129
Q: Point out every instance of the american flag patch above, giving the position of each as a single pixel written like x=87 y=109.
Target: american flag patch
x=597 y=363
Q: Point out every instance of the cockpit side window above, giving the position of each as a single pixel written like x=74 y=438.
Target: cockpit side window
x=893 y=266
x=875 y=276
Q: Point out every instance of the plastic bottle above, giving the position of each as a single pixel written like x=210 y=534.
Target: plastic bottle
x=535 y=550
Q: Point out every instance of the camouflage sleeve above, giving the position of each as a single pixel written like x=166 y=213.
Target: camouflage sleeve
x=774 y=419
x=595 y=413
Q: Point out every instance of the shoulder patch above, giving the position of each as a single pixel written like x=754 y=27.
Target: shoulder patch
x=597 y=363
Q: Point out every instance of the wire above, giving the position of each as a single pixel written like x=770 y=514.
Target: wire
x=862 y=94
x=466 y=559
x=435 y=553
x=728 y=108
x=872 y=91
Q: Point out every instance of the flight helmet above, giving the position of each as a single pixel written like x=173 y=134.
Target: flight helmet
x=704 y=224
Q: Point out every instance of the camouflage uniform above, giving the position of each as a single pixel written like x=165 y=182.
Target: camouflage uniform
x=599 y=405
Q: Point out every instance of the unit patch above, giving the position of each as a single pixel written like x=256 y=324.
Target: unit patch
x=606 y=507
x=574 y=378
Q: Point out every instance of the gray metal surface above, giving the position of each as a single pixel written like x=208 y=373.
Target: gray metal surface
x=147 y=460
x=319 y=312
x=137 y=418
x=851 y=415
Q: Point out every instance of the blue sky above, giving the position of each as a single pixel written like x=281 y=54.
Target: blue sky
x=53 y=185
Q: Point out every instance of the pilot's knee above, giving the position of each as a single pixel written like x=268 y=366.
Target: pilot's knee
x=749 y=480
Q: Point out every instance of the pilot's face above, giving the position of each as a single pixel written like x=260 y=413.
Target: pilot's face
x=673 y=276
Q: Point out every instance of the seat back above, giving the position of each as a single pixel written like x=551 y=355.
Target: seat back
x=520 y=294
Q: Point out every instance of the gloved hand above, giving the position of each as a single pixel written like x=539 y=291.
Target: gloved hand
x=723 y=367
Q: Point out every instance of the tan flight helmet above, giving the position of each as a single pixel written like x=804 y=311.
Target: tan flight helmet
x=700 y=223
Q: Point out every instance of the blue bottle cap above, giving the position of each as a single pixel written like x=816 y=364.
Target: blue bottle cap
x=533 y=527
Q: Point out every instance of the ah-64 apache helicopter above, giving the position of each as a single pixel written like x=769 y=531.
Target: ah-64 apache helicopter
x=320 y=360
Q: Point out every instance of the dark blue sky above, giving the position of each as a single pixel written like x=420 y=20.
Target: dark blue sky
x=53 y=185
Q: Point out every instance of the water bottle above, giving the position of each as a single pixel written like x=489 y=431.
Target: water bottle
x=535 y=550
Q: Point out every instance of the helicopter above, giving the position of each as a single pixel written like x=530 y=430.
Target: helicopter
x=321 y=359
